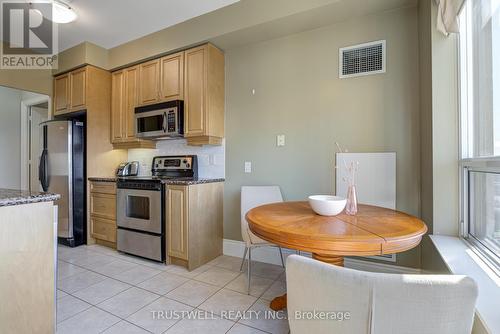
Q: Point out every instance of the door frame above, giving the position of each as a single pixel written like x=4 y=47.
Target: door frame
x=25 y=108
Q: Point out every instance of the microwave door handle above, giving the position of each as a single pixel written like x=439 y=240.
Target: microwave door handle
x=164 y=122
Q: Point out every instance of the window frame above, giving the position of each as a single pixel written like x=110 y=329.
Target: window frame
x=489 y=164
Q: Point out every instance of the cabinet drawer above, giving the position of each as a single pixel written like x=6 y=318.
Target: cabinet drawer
x=103 y=187
x=103 y=229
x=103 y=205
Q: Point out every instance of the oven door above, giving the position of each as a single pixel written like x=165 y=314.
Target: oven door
x=139 y=210
x=151 y=124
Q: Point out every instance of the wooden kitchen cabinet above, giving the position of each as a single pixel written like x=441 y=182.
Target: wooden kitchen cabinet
x=77 y=89
x=194 y=223
x=117 y=106
x=70 y=91
x=162 y=79
x=103 y=213
x=177 y=217
x=61 y=94
x=172 y=77
x=124 y=87
x=204 y=95
x=149 y=82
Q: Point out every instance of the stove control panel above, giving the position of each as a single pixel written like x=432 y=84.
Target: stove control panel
x=175 y=166
x=170 y=162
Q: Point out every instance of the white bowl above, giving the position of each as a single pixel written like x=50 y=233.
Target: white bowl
x=327 y=205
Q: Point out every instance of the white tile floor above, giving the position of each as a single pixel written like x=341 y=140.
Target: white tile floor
x=102 y=291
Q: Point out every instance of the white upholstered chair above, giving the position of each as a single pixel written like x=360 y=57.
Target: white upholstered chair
x=377 y=303
x=251 y=197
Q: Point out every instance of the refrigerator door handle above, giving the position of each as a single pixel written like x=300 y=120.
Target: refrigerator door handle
x=43 y=171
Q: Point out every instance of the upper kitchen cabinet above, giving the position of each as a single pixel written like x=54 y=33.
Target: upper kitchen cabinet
x=161 y=79
x=61 y=94
x=204 y=95
x=172 y=77
x=70 y=91
x=149 y=82
x=124 y=96
x=77 y=89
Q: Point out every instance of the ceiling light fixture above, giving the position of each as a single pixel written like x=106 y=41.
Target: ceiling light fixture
x=62 y=12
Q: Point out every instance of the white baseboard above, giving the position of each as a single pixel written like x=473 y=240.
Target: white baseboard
x=271 y=255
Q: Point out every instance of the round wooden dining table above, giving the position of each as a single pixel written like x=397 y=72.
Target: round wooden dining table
x=372 y=231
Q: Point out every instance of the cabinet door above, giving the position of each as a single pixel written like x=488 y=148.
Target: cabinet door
x=131 y=87
x=149 y=76
x=177 y=221
x=195 y=92
x=172 y=77
x=117 y=105
x=61 y=94
x=78 y=79
x=103 y=229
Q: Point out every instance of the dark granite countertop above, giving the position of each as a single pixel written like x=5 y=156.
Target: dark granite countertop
x=178 y=181
x=103 y=179
x=191 y=181
x=9 y=197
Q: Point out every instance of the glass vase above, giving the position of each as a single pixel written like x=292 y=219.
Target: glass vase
x=351 y=207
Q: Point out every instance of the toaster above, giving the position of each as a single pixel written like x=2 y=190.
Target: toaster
x=128 y=169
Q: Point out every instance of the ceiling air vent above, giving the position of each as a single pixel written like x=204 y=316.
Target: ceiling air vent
x=362 y=59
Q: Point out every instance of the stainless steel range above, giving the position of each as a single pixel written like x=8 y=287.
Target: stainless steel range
x=141 y=206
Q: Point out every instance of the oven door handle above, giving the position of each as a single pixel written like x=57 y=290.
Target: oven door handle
x=164 y=122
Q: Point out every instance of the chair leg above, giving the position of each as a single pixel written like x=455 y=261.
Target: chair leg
x=281 y=256
x=249 y=268
x=244 y=257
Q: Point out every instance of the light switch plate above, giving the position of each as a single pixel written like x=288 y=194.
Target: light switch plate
x=280 y=140
x=248 y=167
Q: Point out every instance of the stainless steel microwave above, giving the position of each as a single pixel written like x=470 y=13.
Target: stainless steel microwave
x=162 y=120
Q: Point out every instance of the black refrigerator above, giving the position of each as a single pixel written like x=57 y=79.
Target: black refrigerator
x=62 y=171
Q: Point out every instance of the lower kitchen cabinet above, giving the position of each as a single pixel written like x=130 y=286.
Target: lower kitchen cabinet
x=103 y=213
x=103 y=229
x=194 y=223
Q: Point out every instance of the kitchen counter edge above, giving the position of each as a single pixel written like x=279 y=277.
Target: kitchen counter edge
x=172 y=181
x=11 y=197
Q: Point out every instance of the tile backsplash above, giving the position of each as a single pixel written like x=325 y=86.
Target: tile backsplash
x=211 y=159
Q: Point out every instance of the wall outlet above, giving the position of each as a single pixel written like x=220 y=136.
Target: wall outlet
x=248 y=167
x=280 y=140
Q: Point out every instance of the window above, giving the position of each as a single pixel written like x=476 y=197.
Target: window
x=480 y=125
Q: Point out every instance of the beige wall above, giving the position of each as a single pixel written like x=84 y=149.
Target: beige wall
x=84 y=53
x=425 y=71
x=10 y=138
x=444 y=130
x=298 y=93
x=439 y=132
x=38 y=81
